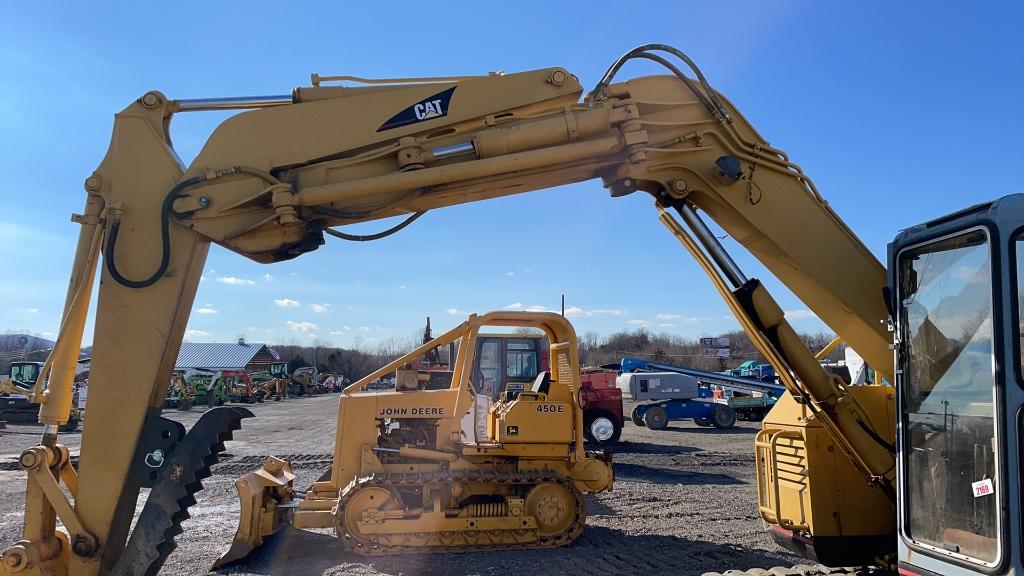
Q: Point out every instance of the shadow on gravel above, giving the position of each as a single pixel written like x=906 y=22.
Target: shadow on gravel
x=595 y=507
x=599 y=551
x=711 y=430
x=646 y=474
x=649 y=448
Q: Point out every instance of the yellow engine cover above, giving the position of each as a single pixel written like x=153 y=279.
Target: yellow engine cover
x=531 y=419
x=806 y=482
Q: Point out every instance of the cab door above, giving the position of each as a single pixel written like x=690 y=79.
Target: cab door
x=955 y=297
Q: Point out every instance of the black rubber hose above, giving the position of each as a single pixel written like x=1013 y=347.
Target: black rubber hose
x=636 y=52
x=675 y=70
x=335 y=213
x=368 y=237
x=166 y=211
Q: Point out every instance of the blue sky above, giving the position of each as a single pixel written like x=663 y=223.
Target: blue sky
x=900 y=112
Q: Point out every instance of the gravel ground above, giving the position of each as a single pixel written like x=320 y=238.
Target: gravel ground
x=684 y=502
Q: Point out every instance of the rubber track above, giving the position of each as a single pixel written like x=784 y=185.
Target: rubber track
x=357 y=546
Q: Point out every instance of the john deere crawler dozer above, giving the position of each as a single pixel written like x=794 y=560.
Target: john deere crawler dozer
x=409 y=475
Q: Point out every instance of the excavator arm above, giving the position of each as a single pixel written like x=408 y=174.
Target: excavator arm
x=272 y=181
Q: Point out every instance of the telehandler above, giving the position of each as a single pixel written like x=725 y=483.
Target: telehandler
x=921 y=474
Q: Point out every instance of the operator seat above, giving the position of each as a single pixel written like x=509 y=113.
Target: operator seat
x=542 y=383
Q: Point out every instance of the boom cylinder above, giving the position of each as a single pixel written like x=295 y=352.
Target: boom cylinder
x=712 y=245
x=875 y=459
x=56 y=401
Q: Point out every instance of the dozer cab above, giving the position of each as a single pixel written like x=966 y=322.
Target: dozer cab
x=411 y=472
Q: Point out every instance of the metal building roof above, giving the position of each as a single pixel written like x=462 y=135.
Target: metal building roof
x=216 y=355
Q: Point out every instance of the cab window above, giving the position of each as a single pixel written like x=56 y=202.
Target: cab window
x=521 y=360
x=24 y=373
x=951 y=489
x=490 y=368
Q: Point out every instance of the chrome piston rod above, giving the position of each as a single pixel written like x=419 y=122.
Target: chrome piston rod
x=233 y=102
x=711 y=244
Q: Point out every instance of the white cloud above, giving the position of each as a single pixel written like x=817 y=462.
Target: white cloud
x=364 y=329
x=665 y=316
x=268 y=277
x=510 y=273
x=402 y=287
x=233 y=281
x=346 y=327
x=666 y=325
x=577 y=312
x=455 y=312
x=319 y=308
x=530 y=308
x=202 y=278
x=287 y=303
x=337 y=332
x=195 y=333
x=802 y=314
x=302 y=327
x=207 y=309
x=27 y=310
x=692 y=320
x=641 y=323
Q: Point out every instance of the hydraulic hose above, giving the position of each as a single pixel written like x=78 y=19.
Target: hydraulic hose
x=642 y=52
x=166 y=212
x=368 y=237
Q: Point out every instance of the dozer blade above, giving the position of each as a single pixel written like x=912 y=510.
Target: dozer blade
x=264 y=496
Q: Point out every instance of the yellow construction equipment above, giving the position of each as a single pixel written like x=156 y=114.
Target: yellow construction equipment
x=412 y=472
x=17 y=395
x=835 y=478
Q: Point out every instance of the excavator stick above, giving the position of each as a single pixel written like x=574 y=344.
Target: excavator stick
x=265 y=497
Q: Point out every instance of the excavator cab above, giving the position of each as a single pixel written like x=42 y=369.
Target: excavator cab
x=25 y=373
x=955 y=293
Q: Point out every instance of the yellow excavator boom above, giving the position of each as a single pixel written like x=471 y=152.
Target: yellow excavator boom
x=272 y=181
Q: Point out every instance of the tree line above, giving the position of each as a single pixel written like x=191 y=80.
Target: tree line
x=594 y=350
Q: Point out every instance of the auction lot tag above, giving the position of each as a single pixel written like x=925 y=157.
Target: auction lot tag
x=983 y=487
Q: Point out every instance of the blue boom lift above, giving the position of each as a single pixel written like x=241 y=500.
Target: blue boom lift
x=671 y=392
